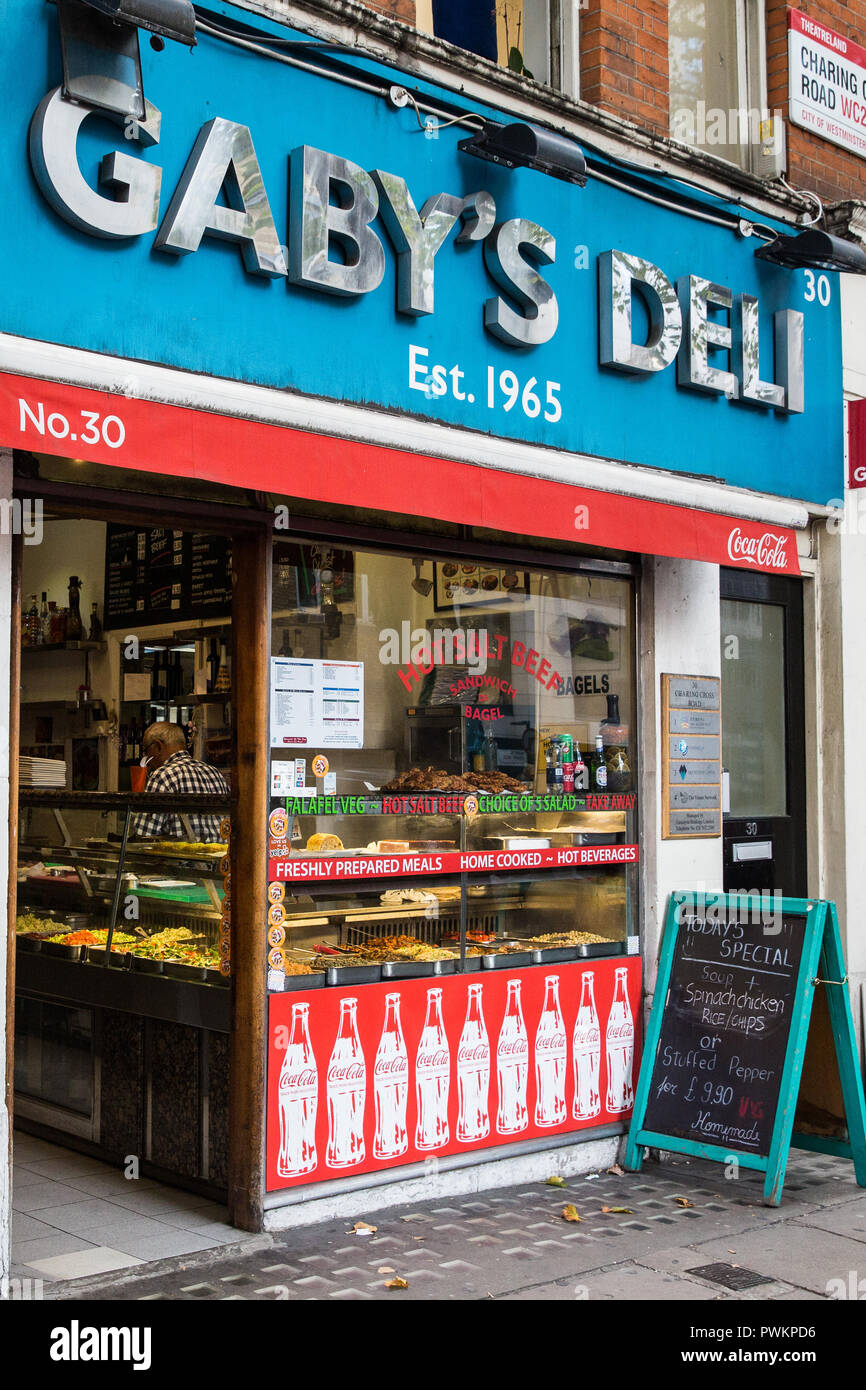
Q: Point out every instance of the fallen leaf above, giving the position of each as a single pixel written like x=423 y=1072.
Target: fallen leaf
x=683 y=1202
x=570 y=1213
x=396 y=1283
x=556 y=1182
x=363 y=1228
x=617 y=1170
x=731 y=1252
x=419 y=1237
x=624 y=1211
x=385 y=1269
x=413 y=1217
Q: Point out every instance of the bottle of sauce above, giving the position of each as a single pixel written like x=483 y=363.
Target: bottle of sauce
x=615 y=739
x=598 y=767
x=74 y=625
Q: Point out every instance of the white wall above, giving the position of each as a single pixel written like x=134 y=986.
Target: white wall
x=679 y=634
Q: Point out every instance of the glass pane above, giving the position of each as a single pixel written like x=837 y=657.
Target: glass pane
x=753 y=707
x=400 y=686
x=704 y=74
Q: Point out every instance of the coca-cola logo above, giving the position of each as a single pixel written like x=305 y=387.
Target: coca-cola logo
x=349 y=1071
x=429 y=1061
x=512 y=1047
x=550 y=1042
x=391 y=1066
x=299 y=1080
x=620 y=1032
x=768 y=551
x=589 y=1036
x=479 y=1052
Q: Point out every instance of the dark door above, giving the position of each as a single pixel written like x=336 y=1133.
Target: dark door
x=763 y=736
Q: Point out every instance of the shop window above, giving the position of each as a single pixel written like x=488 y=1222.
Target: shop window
x=452 y=762
x=536 y=38
x=718 y=83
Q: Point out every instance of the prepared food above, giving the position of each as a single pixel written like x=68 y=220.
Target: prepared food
x=320 y=843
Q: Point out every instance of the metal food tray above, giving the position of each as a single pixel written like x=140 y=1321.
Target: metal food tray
x=96 y=956
x=506 y=960
x=56 y=948
x=177 y=971
x=146 y=965
x=407 y=969
x=352 y=974
x=303 y=982
x=606 y=948
x=554 y=955
x=445 y=967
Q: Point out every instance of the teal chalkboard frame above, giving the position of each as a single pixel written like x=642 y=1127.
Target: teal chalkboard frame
x=822 y=963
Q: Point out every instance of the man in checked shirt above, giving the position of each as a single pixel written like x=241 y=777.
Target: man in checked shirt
x=172 y=772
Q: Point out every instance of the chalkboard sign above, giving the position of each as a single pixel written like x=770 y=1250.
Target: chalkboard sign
x=161 y=575
x=727 y=1034
x=726 y=1025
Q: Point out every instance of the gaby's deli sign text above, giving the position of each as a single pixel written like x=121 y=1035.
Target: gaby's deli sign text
x=710 y=331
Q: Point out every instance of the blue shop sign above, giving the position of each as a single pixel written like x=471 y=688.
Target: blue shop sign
x=280 y=227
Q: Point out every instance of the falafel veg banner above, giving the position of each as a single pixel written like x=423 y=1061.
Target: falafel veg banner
x=382 y=1075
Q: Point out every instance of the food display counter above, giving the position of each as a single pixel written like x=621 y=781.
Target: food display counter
x=452 y=945
x=122 y=967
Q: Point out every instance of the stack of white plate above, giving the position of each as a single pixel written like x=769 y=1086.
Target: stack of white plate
x=41 y=772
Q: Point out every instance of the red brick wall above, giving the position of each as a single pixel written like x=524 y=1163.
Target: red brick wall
x=394 y=9
x=624 y=59
x=813 y=163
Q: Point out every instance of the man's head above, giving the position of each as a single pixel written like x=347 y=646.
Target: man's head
x=161 y=741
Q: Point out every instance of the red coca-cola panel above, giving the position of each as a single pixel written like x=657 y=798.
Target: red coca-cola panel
x=376 y=1076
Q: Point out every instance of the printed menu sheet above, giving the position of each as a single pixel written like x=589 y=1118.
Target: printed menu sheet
x=317 y=704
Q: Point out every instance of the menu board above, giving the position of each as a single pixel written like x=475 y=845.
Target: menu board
x=160 y=575
x=317 y=704
x=691 y=757
x=726 y=1022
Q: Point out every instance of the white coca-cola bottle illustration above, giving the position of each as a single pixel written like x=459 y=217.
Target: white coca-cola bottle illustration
x=391 y=1085
x=512 y=1066
x=299 y=1096
x=587 y=1053
x=620 y=1048
x=347 y=1092
x=473 y=1073
x=551 y=1059
x=432 y=1078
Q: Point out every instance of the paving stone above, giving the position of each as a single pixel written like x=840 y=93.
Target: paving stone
x=522 y=1249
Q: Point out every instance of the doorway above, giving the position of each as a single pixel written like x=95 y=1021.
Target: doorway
x=763 y=733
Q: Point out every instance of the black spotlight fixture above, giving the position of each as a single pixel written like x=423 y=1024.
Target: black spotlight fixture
x=814 y=250
x=529 y=147
x=421 y=586
x=171 y=19
x=99 y=44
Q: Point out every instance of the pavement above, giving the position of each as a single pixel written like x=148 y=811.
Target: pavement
x=680 y=1230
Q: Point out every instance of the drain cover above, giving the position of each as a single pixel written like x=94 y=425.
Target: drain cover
x=729 y=1276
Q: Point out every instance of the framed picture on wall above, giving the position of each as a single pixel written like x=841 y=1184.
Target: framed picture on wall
x=470 y=584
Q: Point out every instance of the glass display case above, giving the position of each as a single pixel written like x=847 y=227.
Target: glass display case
x=452 y=766
x=94 y=891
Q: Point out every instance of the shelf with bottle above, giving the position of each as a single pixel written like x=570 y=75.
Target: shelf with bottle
x=46 y=626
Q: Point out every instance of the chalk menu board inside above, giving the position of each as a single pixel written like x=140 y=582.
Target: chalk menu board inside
x=161 y=575
x=727 y=1017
